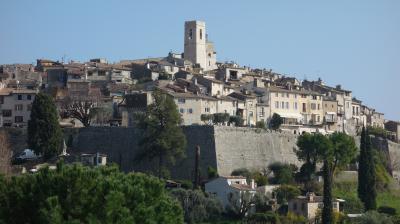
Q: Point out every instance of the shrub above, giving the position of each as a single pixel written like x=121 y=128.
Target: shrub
x=196 y=206
x=285 y=193
x=206 y=118
x=212 y=172
x=387 y=210
x=373 y=217
x=276 y=121
x=283 y=173
x=237 y=120
x=268 y=217
x=220 y=118
x=261 y=124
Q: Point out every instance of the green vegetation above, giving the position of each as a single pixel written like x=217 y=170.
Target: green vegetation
x=237 y=120
x=261 y=125
x=275 y=122
x=44 y=132
x=283 y=173
x=77 y=194
x=258 y=177
x=163 y=137
x=220 y=118
x=196 y=206
x=367 y=178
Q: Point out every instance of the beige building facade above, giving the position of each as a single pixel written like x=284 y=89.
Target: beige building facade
x=16 y=106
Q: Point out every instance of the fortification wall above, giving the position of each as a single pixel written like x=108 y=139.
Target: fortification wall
x=224 y=148
x=252 y=148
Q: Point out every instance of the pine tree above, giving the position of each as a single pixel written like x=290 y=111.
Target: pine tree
x=366 y=174
x=44 y=132
x=163 y=137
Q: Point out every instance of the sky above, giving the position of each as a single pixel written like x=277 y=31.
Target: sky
x=353 y=43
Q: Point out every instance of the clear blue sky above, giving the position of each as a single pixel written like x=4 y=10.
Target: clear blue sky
x=355 y=43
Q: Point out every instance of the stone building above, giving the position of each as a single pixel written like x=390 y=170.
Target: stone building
x=394 y=127
x=197 y=48
x=309 y=206
x=330 y=107
x=16 y=106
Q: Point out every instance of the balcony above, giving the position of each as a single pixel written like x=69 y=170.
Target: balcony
x=330 y=118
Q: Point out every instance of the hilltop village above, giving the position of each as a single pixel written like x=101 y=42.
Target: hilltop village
x=199 y=84
x=239 y=128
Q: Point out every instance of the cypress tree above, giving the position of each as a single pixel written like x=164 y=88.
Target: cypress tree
x=327 y=215
x=366 y=175
x=370 y=202
x=44 y=132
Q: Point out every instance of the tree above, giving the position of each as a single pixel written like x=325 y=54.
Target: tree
x=163 y=137
x=308 y=152
x=78 y=194
x=5 y=152
x=285 y=193
x=335 y=152
x=373 y=217
x=196 y=206
x=276 y=121
x=339 y=152
x=80 y=107
x=366 y=178
x=261 y=124
x=237 y=120
x=220 y=118
x=240 y=203
x=206 y=118
x=44 y=132
x=283 y=173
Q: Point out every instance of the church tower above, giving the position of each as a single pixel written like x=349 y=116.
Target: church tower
x=195 y=42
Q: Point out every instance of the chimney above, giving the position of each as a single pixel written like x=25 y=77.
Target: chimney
x=252 y=184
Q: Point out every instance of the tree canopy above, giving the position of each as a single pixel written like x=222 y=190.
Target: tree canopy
x=77 y=194
x=163 y=137
x=44 y=132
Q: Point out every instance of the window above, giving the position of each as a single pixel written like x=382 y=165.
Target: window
x=303 y=96
x=19 y=97
x=181 y=110
x=314 y=97
x=276 y=104
x=295 y=96
x=7 y=113
x=318 y=107
x=262 y=112
x=287 y=95
x=313 y=106
x=326 y=105
x=19 y=107
x=29 y=107
x=1 y=99
x=282 y=94
x=304 y=107
x=29 y=97
x=276 y=94
x=283 y=105
x=101 y=73
x=19 y=119
x=201 y=34
x=190 y=34
x=181 y=100
x=190 y=111
x=250 y=113
x=207 y=109
x=295 y=105
x=347 y=105
x=90 y=73
x=287 y=105
x=318 y=118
